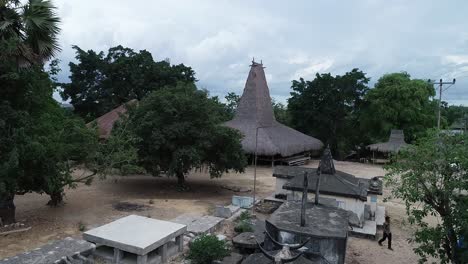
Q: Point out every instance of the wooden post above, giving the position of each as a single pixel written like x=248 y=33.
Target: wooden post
x=304 y=199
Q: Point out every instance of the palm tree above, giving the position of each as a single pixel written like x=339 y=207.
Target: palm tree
x=31 y=29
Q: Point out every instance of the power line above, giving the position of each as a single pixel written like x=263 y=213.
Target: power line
x=441 y=83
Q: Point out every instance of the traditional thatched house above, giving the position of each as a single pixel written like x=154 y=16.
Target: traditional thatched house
x=256 y=120
x=106 y=122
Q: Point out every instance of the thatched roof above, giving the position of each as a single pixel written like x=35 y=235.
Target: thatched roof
x=106 y=122
x=394 y=143
x=255 y=111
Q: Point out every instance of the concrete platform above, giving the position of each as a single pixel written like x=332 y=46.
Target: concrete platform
x=380 y=215
x=199 y=224
x=368 y=230
x=137 y=239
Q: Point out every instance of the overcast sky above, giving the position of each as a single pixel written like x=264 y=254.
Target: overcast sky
x=428 y=39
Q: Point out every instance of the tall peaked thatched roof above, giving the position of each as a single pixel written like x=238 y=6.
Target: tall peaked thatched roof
x=106 y=122
x=394 y=143
x=255 y=111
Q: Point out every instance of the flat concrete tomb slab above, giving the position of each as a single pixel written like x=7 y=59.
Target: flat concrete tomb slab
x=199 y=224
x=137 y=239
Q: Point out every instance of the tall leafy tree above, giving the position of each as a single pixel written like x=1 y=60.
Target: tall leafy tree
x=28 y=37
x=399 y=102
x=178 y=129
x=431 y=177
x=328 y=107
x=101 y=82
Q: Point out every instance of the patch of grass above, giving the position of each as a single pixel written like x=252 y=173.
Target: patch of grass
x=207 y=248
x=81 y=226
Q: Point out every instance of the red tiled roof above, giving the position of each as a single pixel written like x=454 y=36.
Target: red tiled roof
x=106 y=122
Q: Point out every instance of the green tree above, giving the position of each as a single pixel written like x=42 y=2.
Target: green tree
x=31 y=30
x=399 y=102
x=281 y=112
x=178 y=129
x=329 y=107
x=232 y=100
x=101 y=82
x=431 y=177
x=452 y=114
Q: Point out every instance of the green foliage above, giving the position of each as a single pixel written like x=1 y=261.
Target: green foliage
x=31 y=28
x=454 y=115
x=100 y=82
x=232 y=100
x=328 y=108
x=207 y=248
x=245 y=215
x=178 y=129
x=281 y=112
x=243 y=226
x=431 y=177
x=399 y=102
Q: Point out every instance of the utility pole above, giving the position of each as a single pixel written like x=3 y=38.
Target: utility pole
x=440 y=83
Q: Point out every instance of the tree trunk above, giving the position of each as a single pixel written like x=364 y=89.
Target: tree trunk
x=7 y=209
x=56 y=199
x=180 y=179
x=181 y=182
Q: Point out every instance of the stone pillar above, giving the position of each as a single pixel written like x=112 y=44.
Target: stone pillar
x=163 y=253
x=118 y=255
x=180 y=242
x=142 y=259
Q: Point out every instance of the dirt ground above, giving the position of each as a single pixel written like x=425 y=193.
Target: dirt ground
x=91 y=206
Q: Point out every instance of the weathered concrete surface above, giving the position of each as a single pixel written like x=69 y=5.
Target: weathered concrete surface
x=245 y=240
x=321 y=220
x=234 y=258
x=135 y=234
x=225 y=211
x=242 y=201
x=380 y=215
x=259 y=258
x=368 y=230
x=74 y=250
x=199 y=224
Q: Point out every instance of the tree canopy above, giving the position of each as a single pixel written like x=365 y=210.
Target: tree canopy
x=101 y=82
x=431 y=177
x=328 y=108
x=399 y=102
x=178 y=129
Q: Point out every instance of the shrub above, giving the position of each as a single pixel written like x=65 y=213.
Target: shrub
x=243 y=226
x=207 y=248
x=245 y=215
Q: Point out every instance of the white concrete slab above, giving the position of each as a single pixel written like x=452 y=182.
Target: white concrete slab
x=380 y=215
x=135 y=234
x=199 y=224
x=369 y=229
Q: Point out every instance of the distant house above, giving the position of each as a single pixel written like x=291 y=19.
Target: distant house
x=106 y=122
x=394 y=144
x=255 y=119
x=350 y=193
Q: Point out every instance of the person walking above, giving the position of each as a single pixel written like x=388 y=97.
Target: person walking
x=387 y=233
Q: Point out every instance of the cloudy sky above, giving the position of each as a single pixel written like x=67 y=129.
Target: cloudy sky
x=428 y=39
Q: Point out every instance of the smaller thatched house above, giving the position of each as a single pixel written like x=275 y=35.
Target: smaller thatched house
x=394 y=144
x=256 y=121
x=106 y=122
